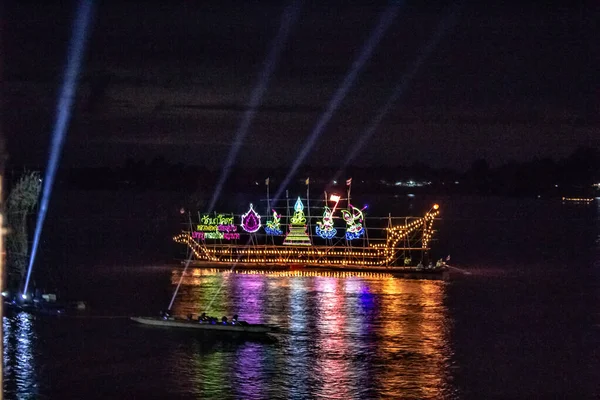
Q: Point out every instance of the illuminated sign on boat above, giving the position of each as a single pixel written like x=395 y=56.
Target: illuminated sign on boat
x=219 y=226
x=218 y=219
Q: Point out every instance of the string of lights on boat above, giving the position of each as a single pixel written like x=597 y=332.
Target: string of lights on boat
x=283 y=273
x=586 y=200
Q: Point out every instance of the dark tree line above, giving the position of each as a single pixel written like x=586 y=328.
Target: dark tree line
x=572 y=175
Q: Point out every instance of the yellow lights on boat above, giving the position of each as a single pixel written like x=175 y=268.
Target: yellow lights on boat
x=416 y=231
x=578 y=200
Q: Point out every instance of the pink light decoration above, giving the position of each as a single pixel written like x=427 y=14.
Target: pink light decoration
x=215 y=235
x=251 y=220
x=227 y=228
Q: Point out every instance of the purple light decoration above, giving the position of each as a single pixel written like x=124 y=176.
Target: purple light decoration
x=251 y=220
x=446 y=24
x=288 y=18
x=385 y=20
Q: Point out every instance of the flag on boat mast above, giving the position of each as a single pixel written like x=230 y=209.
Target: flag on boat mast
x=307 y=181
x=267 y=181
x=349 y=184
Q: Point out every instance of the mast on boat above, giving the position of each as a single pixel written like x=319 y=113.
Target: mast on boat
x=308 y=209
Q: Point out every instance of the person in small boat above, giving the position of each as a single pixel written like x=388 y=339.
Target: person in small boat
x=224 y=320
x=202 y=317
x=165 y=314
x=236 y=321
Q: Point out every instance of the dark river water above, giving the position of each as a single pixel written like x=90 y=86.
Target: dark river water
x=524 y=323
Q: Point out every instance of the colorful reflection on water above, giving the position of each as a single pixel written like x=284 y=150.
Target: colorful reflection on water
x=352 y=337
x=341 y=338
x=344 y=335
x=19 y=361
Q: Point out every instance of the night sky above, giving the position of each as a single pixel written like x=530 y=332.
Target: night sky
x=508 y=82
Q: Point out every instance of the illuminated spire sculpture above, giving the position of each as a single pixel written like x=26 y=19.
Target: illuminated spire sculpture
x=297 y=234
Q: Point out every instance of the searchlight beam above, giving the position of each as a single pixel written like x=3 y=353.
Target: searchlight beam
x=63 y=113
x=385 y=20
x=447 y=23
x=288 y=19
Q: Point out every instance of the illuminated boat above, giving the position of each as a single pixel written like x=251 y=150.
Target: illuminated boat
x=578 y=200
x=327 y=241
x=190 y=324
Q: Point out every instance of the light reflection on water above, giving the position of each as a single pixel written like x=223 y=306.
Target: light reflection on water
x=416 y=338
x=523 y=324
x=343 y=337
x=19 y=360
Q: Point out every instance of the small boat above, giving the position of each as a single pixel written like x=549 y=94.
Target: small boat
x=45 y=304
x=207 y=326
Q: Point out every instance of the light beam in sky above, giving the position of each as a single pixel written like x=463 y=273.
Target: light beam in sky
x=288 y=19
x=447 y=23
x=76 y=49
x=385 y=20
